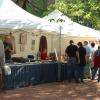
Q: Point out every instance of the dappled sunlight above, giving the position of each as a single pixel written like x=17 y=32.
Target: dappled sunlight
x=89 y=95
x=98 y=90
x=74 y=95
x=57 y=91
x=70 y=92
x=44 y=93
x=12 y=96
x=97 y=98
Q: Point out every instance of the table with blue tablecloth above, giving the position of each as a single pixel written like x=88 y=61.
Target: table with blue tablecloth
x=31 y=74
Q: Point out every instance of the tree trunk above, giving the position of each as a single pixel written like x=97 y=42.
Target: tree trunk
x=17 y=1
x=45 y=4
x=24 y=4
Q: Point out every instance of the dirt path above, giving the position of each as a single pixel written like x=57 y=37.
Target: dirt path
x=90 y=90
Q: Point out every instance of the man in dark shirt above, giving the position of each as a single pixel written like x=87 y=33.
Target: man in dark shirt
x=73 y=60
x=82 y=57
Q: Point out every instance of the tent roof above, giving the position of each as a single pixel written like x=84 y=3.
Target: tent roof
x=69 y=27
x=14 y=17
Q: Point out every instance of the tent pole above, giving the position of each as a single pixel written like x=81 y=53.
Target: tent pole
x=60 y=45
x=51 y=43
x=59 y=60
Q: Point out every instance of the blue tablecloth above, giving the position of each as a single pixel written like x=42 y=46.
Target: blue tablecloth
x=29 y=74
x=63 y=73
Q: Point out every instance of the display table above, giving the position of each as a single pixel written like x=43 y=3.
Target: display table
x=30 y=74
x=35 y=73
x=63 y=71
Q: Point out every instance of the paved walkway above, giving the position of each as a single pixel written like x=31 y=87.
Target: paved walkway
x=90 y=90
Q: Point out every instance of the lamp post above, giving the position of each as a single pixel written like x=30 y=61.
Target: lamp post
x=60 y=43
x=60 y=22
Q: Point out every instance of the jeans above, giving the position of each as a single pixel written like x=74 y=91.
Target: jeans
x=81 y=72
x=72 y=69
x=94 y=72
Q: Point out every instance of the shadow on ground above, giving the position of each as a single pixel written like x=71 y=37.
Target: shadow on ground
x=90 y=90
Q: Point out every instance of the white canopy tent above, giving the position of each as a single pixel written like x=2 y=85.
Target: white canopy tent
x=70 y=28
x=14 y=17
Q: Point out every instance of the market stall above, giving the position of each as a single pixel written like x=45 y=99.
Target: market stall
x=26 y=31
x=71 y=30
x=24 y=27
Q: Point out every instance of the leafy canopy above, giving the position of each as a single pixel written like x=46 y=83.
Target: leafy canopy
x=85 y=12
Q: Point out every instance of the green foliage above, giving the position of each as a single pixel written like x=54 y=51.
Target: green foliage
x=86 y=12
x=36 y=7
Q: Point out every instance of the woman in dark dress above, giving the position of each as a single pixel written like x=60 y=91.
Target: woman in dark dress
x=82 y=57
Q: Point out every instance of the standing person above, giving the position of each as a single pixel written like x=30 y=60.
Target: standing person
x=93 y=49
x=96 y=59
x=43 y=55
x=82 y=57
x=73 y=59
x=8 y=48
x=2 y=56
x=87 y=68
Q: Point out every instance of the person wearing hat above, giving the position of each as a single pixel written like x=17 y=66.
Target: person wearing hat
x=73 y=60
